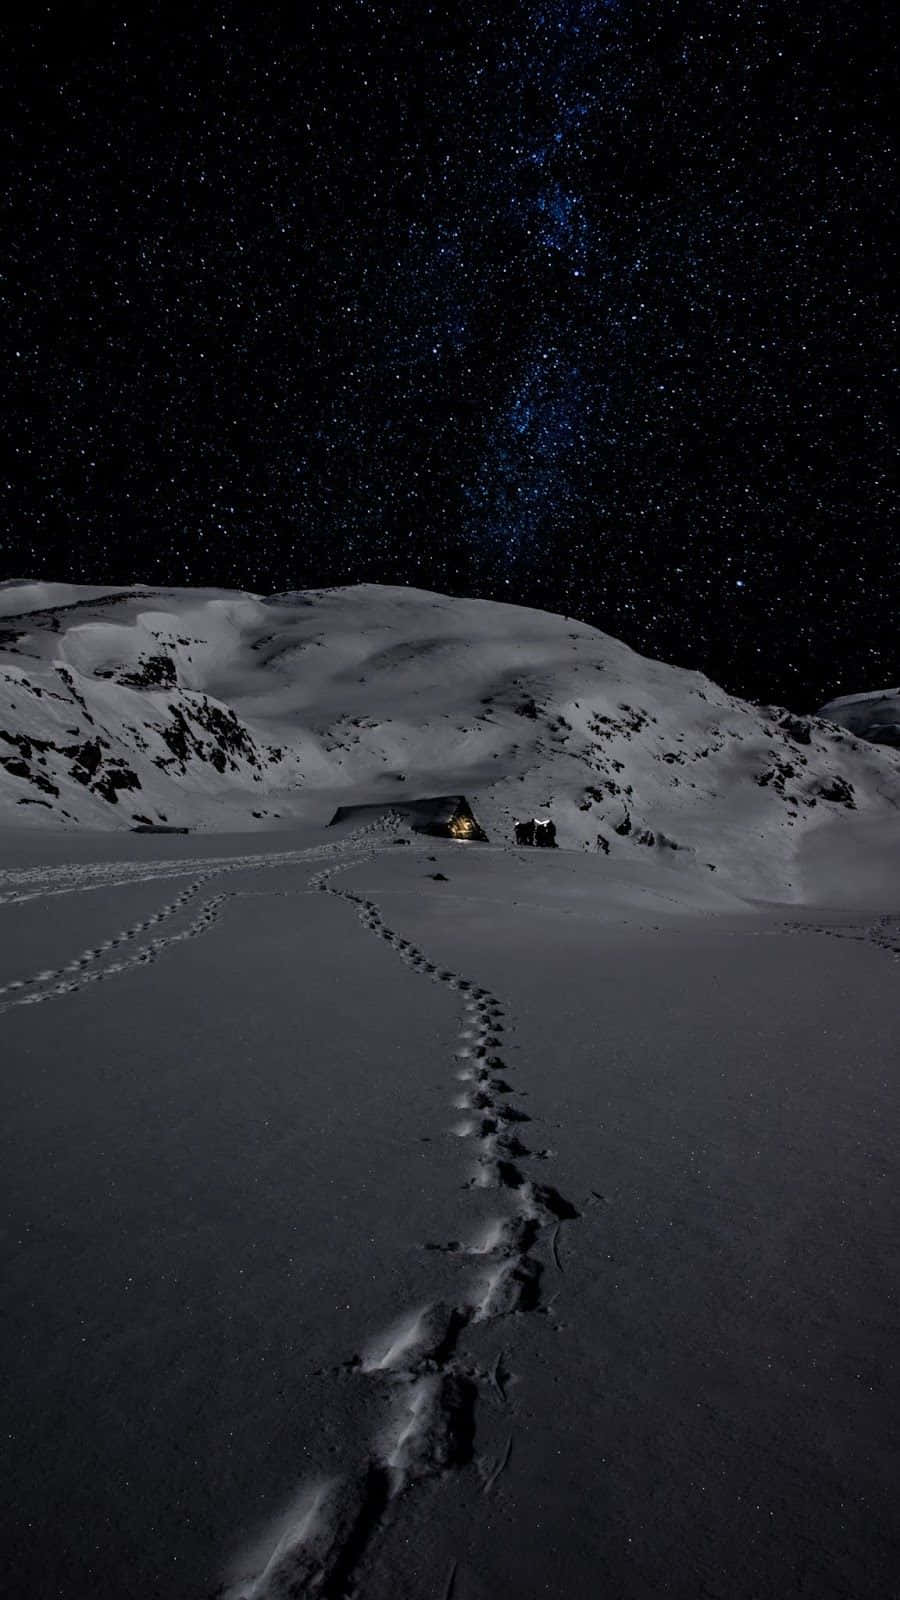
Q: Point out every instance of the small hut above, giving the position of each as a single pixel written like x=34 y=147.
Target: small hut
x=540 y=831
x=443 y=816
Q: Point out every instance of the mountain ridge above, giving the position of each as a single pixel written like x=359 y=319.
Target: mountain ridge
x=228 y=711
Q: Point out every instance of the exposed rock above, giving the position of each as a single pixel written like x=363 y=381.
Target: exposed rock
x=112 y=779
x=152 y=672
x=839 y=791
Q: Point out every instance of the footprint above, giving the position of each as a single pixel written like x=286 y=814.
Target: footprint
x=418 y=1359
x=512 y=1145
x=435 y=1430
x=512 y=1287
x=550 y=1199
x=397 y=1347
x=509 y=1175
x=491 y=1238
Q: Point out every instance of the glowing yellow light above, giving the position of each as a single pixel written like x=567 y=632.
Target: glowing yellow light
x=462 y=828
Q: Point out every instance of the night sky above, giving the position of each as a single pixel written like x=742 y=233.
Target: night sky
x=581 y=305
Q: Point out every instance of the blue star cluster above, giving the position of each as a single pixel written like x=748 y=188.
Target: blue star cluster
x=578 y=303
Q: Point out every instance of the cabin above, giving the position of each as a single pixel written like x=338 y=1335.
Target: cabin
x=443 y=816
x=540 y=831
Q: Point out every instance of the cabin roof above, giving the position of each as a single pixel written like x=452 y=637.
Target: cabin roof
x=431 y=810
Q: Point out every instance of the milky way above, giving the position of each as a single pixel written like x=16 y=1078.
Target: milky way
x=583 y=305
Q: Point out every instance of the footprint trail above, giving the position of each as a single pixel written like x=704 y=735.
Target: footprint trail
x=883 y=934
x=92 y=965
x=430 y=1384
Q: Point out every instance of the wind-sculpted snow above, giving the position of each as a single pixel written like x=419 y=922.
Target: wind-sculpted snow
x=430 y=1386
x=213 y=710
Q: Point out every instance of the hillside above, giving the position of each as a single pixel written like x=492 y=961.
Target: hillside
x=435 y=1221
x=230 y=712
x=873 y=715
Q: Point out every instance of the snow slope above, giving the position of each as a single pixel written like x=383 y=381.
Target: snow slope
x=228 y=711
x=874 y=716
x=441 y=1221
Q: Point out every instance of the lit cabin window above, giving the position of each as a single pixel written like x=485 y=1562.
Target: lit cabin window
x=462 y=828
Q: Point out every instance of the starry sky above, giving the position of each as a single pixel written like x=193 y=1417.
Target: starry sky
x=575 y=303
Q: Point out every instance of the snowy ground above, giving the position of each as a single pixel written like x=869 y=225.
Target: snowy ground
x=529 y=1231
x=229 y=712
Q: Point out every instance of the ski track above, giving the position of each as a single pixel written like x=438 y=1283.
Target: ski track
x=431 y=1387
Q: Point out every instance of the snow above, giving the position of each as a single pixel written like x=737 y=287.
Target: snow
x=19 y=596
x=324 y=1266
x=411 y=1218
x=229 y=712
x=874 y=715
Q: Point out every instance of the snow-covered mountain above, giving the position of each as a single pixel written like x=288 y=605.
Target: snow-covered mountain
x=228 y=711
x=874 y=716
